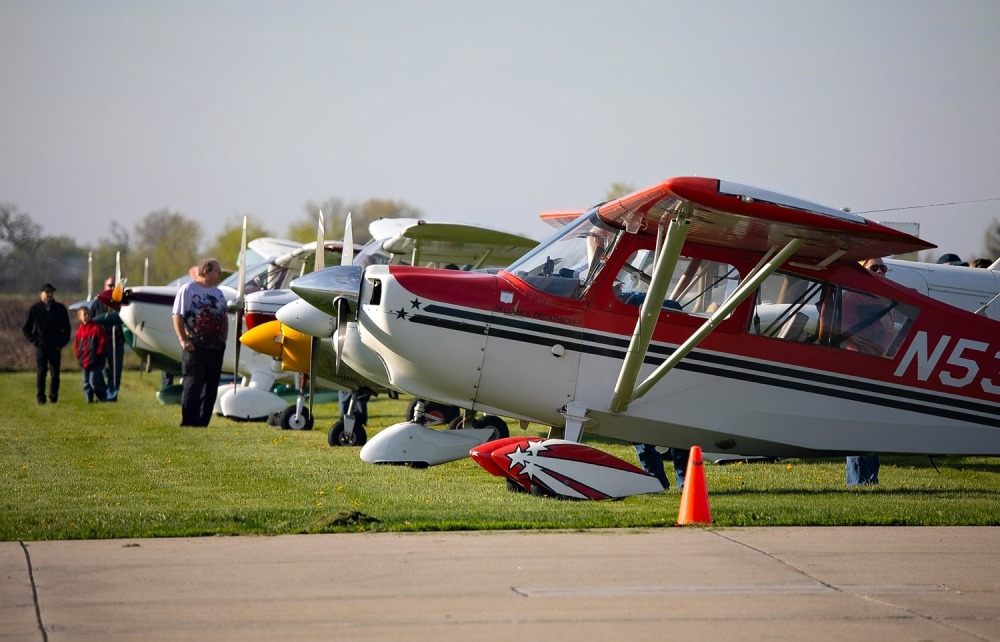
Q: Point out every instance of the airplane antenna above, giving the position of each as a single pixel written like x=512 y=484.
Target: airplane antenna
x=917 y=207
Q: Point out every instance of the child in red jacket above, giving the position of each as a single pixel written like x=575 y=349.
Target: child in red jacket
x=91 y=348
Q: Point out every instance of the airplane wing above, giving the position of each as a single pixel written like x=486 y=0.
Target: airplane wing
x=457 y=243
x=560 y=218
x=737 y=216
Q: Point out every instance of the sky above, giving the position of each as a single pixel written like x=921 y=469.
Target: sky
x=490 y=113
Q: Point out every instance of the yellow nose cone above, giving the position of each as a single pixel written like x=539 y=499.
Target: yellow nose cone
x=296 y=350
x=264 y=338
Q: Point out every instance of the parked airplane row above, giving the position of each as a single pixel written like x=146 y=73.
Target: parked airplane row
x=693 y=312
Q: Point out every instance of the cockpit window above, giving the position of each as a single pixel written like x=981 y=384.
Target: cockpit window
x=568 y=263
x=697 y=286
x=264 y=276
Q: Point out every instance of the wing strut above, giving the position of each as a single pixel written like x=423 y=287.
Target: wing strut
x=757 y=276
x=663 y=269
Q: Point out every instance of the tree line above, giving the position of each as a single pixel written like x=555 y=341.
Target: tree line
x=161 y=246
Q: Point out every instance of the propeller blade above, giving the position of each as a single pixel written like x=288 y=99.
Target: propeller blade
x=313 y=358
x=347 y=253
x=240 y=300
x=90 y=276
x=320 y=257
x=341 y=330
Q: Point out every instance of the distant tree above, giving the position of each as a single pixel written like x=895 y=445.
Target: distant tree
x=20 y=238
x=374 y=209
x=991 y=240
x=119 y=242
x=335 y=216
x=617 y=190
x=227 y=248
x=27 y=258
x=170 y=241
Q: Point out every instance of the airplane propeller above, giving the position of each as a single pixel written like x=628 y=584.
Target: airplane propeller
x=240 y=300
x=320 y=263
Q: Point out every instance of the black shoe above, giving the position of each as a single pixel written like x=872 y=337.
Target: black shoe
x=41 y=402
x=52 y=399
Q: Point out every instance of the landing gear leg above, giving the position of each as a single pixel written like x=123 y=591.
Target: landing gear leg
x=350 y=429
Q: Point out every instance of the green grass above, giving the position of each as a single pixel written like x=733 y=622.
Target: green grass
x=127 y=470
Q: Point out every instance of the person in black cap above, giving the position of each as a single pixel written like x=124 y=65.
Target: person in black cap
x=47 y=327
x=951 y=259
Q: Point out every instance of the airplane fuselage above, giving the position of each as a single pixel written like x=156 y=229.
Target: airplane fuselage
x=521 y=347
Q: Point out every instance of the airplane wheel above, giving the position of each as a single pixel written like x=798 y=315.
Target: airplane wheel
x=500 y=430
x=338 y=437
x=514 y=487
x=289 y=421
x=435 y=414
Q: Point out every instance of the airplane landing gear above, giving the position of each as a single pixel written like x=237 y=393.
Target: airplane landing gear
x=350 y=429
x=339 y=436
x=499 y=426
x=292 y=420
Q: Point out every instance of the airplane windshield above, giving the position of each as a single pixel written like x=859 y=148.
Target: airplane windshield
x=373 y=254
x=567 y=263
x=264 y=276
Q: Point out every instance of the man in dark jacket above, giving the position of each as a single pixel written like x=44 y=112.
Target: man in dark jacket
x=48 y=328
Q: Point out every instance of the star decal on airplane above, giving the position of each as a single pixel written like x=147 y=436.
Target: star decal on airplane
x=401 y=314
x=415 y=303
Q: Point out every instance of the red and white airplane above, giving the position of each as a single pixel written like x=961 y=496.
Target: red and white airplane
x=694 y=312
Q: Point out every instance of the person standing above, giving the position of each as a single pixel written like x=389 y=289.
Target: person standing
x=47 y=327
x=116 y=332
x=862 y=470
x=652 y=461
x=202 y=326
x=91 y=348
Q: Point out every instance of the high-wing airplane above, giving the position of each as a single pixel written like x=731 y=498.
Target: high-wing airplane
x=290 y=339
x=146 y=312
x=694 y=312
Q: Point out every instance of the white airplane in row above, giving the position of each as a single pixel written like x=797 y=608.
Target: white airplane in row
x=146 y=312
x=397 y=241
x=695 y=312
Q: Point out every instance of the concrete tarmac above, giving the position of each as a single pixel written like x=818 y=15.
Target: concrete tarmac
x=687 y=583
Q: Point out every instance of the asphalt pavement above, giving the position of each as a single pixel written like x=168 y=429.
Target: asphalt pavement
x=680 y=583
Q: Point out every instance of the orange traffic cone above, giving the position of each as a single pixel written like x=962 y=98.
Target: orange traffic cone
x=694 y=497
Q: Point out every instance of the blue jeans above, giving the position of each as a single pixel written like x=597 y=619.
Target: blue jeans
x=862 y=470
x=113 y=370
x=360 y=404
x=651 y=461
x=93 y=384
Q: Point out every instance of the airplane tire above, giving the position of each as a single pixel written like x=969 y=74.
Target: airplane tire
x=289 y=421
x=337 y=436
x=500 y=430
x=434 y=413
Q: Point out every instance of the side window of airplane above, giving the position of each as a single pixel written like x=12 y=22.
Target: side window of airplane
x=697 y=286
x=793 y=308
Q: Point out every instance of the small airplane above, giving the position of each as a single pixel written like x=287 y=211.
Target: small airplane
x=146 y=312
x=694 y=312
x=292 y=338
